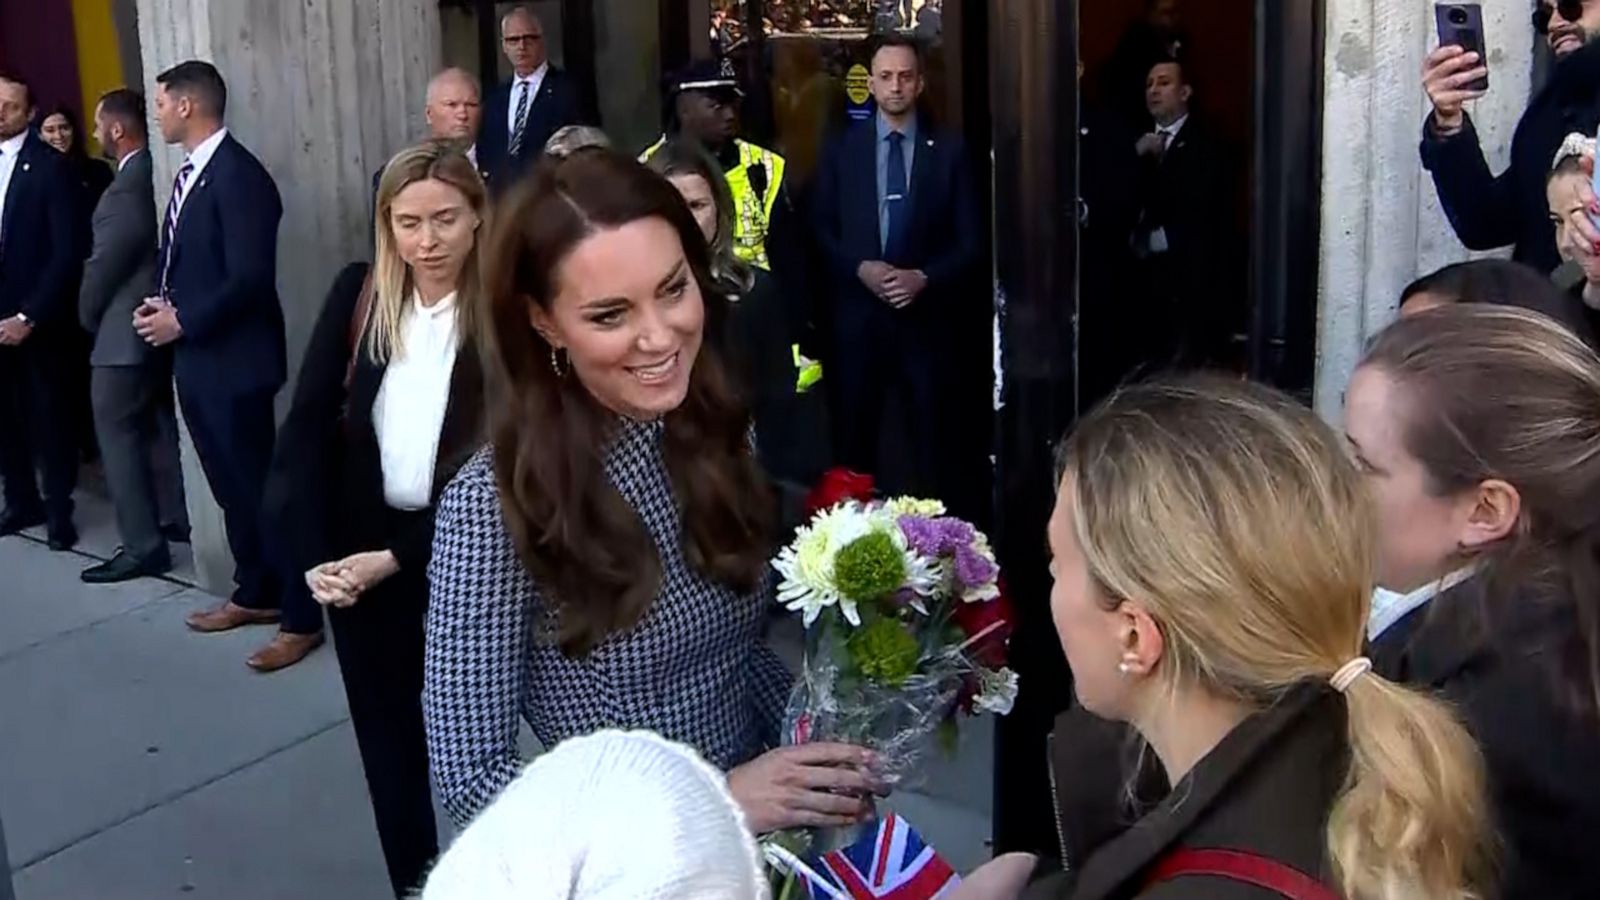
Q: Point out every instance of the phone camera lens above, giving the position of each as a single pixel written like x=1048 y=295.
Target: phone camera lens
x=1458 y=16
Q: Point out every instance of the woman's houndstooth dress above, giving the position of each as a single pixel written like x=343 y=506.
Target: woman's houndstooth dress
x=695 y=669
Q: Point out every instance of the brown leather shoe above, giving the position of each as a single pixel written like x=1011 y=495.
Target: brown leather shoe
x=283 y=651
x=229 y=616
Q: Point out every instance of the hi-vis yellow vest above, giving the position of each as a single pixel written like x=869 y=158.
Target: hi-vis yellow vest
x=754 y=212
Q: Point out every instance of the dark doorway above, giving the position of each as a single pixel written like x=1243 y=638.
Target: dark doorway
x=1259 y=63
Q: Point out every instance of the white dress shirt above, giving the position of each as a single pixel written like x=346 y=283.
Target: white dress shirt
x=1389 y=607
x=1169 y=136
x=9 y=151
x=409 y=411
x=200 y=158
x=123 y=162
x=534 y=81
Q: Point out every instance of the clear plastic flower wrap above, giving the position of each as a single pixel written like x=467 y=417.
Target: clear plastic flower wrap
x=897 y=723
x=906 y=629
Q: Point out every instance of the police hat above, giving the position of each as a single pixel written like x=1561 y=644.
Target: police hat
x=706 y=75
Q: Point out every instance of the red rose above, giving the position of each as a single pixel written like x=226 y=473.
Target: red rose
x=837 y=486
x=994 y=620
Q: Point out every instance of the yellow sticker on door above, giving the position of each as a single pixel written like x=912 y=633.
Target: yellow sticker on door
x=856 y=83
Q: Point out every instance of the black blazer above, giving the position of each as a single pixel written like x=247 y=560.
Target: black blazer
x=1265 y=789
x=325 y=491
x=553 y=108
x=1185 y=193
x=943 y=241
x=41 y=250
x=1502 y=662
x=223 y=278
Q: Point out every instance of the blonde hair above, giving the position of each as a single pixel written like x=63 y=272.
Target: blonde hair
x=392 y=283
x=1238 y=519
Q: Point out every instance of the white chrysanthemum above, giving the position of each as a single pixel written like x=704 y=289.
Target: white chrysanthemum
x=807 y=564
x=997 y=691
x=911 y=506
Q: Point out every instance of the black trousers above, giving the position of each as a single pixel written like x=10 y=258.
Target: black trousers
x=233 y=435
x=37 y=424
x=879 y=352
x=379 y=642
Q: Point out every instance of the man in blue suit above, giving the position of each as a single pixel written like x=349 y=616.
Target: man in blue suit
x=39 y=253
x=895 y=215
x=522 y=114
x=217 y=304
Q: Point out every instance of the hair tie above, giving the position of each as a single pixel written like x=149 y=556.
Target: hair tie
x=1349 y=672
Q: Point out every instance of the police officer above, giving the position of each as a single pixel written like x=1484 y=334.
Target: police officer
x=702 y=103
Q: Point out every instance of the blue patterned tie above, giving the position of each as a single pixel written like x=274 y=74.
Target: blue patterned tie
x=170 y=232
x=894 y=198
x=522 y=119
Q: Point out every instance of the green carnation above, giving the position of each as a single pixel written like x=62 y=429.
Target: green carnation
x=885 y=652
x=869 y=567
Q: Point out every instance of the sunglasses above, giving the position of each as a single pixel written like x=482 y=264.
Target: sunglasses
x=1571 y=11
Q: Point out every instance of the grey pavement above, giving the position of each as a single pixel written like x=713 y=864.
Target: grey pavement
x=139 y=760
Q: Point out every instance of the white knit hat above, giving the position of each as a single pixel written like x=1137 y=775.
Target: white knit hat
x=611 y=816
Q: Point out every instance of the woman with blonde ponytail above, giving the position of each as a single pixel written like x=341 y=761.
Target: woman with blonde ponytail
x=1478 y=432
x=1212 y=549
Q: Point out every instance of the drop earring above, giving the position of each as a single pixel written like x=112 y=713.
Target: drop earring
x=556 y=365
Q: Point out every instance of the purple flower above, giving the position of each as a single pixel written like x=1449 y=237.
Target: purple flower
x=938 y=538
x=972 y=569
x=922 y=536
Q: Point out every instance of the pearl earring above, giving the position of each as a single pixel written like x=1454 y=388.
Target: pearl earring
x=1125 y=667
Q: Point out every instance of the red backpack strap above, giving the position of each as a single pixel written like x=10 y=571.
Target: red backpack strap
x=1237 y=865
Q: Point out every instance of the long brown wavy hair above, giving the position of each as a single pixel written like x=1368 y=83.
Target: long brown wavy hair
x=586 y=547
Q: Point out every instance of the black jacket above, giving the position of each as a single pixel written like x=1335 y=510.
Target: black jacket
x=1265 y=789
x=1489 y=211
x=223 y=278
x=1507 y=667
x=325 y=491
x=553 y=108
x=39 y=258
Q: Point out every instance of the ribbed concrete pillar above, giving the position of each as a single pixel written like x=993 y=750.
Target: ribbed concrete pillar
x=1381 y=221
x=323 y=92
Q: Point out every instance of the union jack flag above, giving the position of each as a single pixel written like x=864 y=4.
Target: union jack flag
x=889 y=862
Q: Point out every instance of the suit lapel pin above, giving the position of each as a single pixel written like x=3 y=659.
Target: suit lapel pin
x=27 y=166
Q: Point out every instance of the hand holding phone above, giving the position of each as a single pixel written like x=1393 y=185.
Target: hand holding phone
x=1461 y=25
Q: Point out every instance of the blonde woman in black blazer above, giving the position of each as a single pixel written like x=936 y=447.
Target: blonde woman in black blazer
x=388 y=407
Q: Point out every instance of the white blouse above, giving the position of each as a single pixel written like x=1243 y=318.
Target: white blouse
x=409 y=411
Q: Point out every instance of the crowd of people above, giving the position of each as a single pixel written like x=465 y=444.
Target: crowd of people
x=541 y=448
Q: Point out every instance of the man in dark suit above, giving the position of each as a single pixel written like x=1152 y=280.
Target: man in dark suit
x=217 y=304
x=131 y=382
x=39 y=253
x=454 y=114
x=1185 y=218
x=523 y=113
x=895 y=215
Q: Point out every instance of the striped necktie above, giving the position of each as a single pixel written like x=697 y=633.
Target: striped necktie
x=522 y=119
x=170 y=232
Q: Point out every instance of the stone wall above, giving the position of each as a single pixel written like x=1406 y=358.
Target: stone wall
x=1381 y=221
x=323 y=92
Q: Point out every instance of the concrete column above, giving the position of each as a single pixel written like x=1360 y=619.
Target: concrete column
x=1381 y=221
x=323 y=92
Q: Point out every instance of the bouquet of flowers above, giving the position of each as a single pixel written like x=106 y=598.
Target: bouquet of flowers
x=906 y=624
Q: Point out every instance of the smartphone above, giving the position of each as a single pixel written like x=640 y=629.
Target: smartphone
x=1461 y=25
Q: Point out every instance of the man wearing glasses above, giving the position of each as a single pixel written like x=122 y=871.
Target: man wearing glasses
x=523 y=113
x=1486 y=211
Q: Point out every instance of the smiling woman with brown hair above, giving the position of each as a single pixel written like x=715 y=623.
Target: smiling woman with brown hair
x=604 y=562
